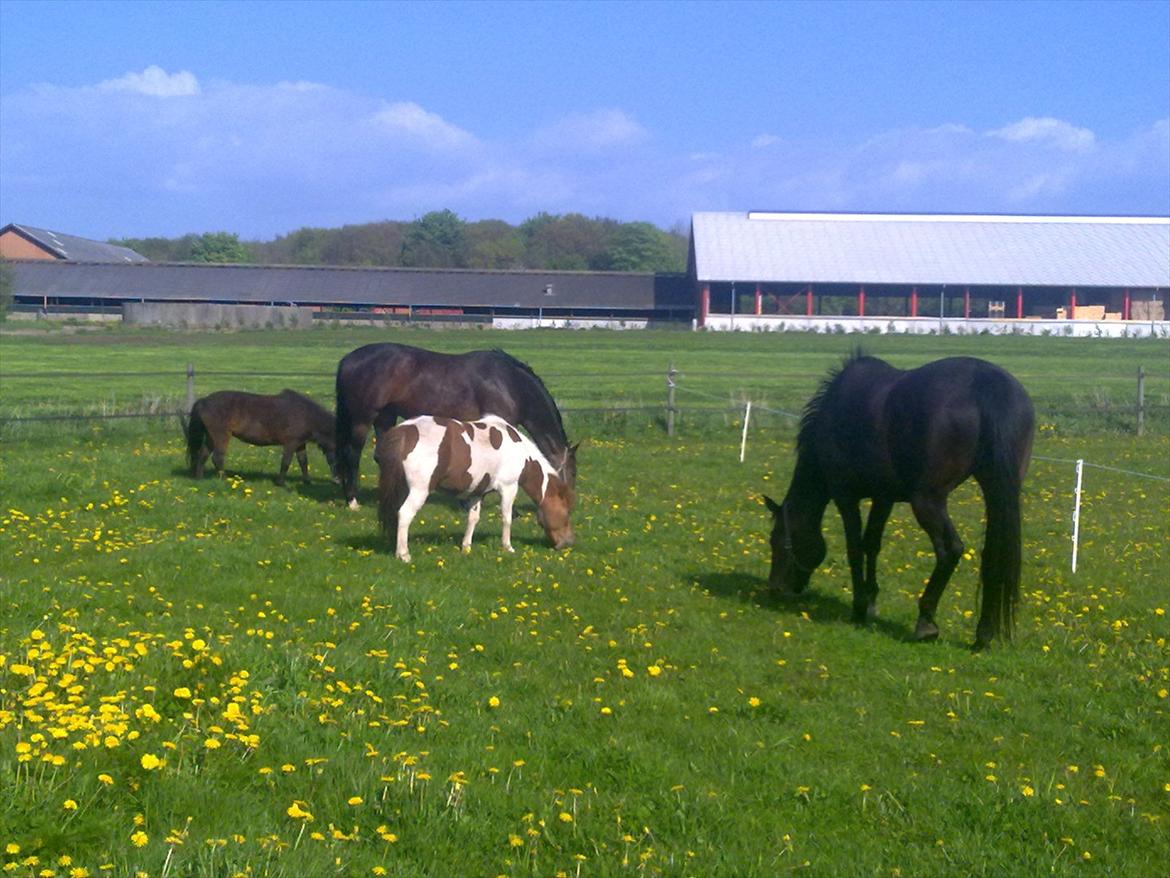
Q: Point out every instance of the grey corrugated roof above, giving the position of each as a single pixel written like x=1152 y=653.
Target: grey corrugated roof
x=158 y=281
x=919 y=249
x=74 y=248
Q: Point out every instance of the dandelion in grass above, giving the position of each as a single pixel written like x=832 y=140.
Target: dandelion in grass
x=139 y=839
x=354 y=800
x=299 y=811
x=150 y=762
x=493 y=702
x=565 y=817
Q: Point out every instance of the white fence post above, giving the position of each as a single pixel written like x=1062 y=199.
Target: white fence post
x=747 y=414
x=1077 y=514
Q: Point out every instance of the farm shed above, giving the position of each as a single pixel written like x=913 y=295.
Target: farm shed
x=763 y=265
x=26 y=242
x=406 y=291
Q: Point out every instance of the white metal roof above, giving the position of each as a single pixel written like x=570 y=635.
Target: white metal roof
x=1063 y=251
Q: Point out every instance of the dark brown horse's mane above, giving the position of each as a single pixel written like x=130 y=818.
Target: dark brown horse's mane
x=524 y=367
x=813 y=408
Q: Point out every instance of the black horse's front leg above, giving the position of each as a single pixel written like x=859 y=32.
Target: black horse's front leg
x=851 y=518
x=879 y=514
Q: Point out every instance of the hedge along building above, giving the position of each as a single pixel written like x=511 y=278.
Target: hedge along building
x=930 y=273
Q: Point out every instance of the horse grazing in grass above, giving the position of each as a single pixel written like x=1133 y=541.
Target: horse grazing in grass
x=287 y=419
x=873 y=431
x=468 y=459
x=380 y=383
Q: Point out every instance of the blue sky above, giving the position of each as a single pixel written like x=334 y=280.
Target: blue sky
x=137 y=119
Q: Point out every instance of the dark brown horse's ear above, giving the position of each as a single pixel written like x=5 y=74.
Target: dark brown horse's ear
x=772 y=505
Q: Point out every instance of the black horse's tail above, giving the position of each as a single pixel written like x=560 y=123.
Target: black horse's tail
x=196 y=432
x=347 y=459
x=1006 y=427
x=393 y=487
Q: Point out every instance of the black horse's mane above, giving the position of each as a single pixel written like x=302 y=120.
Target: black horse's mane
x=526 y=369
x=815 y=405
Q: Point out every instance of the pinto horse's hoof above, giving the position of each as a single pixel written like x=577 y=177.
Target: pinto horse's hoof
x=353 y=504
x=405 y=559
x=925 y=630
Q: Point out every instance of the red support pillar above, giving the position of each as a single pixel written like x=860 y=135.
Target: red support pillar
x=913 y=301
x=966 y=303
x=759 y=301
x=808 y=301
x=1125 y=305
x=704 y=303
x=1019 y=303
x=861 y=301
x=1072 y=304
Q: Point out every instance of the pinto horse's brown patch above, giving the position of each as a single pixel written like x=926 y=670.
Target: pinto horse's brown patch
x=495 y=437
x=532 y=480
x=512 y=434
x=454 y=461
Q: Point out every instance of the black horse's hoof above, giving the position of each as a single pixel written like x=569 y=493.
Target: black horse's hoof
x=865 y=615
x=925 y=630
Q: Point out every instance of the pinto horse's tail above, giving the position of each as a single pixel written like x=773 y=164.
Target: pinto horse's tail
x=196 y=432
x=1006 y=426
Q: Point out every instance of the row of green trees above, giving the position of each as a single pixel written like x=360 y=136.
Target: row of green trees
x=441 y=239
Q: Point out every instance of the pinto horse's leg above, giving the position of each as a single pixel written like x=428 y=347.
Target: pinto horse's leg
x=851 y=518
x=410 y=506
x=507 y=498
x=472 y=520
x=931 y=512
x=303 y=460
x=879 y=514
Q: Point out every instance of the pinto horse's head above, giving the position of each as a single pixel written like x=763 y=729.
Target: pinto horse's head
x=555 y=511
x=798 y=548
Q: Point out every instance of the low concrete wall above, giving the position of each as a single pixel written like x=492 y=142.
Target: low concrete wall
x=206 y=316
x=934 y=326
x=586 y=323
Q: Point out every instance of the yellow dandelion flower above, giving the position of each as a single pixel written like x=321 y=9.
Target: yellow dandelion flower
x=1027 y=790
x=139 y=839
x=12 y=848
x=565 y=817
x=150 y=762
x=493 y=702
x=654 y=670
x=69 y=805
x=515 y=840
x=182 y=692
x=754 y=702
x=354 y=800
x=299 y=811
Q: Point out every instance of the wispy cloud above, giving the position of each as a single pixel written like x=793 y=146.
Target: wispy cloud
x=164 y=153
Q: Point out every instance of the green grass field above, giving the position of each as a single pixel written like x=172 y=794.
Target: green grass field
x=231 y=678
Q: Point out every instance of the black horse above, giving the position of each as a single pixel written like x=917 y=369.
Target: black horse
x=288 y=419
x=380 y=383
x=873 y=431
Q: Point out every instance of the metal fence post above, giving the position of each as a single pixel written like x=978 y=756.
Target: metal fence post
x=670 y=409
x=190 y=387
x=1141 y=400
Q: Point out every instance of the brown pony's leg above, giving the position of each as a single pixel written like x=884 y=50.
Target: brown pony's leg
x=303 y=460
x=931 y=512
x=285 y=460
x=201 y=459
x=219 y=443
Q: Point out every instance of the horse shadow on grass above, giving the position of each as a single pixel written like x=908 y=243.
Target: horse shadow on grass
x=320 y=488
x=820 y=606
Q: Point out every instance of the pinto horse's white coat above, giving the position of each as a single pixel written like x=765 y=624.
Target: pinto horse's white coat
x=469 y=459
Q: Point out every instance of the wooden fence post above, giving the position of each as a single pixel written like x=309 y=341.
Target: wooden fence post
x=1141 y=400
x=670 y=409
x=190 y=387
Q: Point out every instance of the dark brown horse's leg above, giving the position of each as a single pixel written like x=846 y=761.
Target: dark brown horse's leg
x=931 y=513
x=879 y=514
x=851 y=518
x=350 y=456
x=303 y=460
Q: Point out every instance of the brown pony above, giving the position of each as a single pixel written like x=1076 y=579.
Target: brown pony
x=468 y=459
x=287 y=419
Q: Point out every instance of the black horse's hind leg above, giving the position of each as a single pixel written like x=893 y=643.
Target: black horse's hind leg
x=879 y=514
x=931 y=512
x=303 y=460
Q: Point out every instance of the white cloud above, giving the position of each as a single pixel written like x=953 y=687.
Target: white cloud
x=1046 y=130
x=597 y=131
x=763 y=141
x=156 y=82
x=408 y=118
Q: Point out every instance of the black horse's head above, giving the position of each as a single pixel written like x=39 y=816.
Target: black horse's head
x=565 y=463
x=798 y=548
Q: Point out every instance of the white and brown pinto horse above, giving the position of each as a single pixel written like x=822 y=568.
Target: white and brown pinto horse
x=468 y=459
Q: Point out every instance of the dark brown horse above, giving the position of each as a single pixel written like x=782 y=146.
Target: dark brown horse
x=381 y=383
x=287 y=419
x=873 y=431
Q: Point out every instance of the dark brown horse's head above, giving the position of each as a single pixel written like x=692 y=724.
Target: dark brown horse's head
x=555 y=511
x=798 y=548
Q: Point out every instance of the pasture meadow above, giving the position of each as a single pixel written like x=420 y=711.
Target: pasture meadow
x=227 y=677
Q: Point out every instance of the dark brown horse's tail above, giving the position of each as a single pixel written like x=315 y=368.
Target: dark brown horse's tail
x=1006 y=438
x=393 y=487
x=347 y=458
x=196 y=432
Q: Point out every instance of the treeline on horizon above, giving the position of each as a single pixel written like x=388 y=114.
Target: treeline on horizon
x=441 y=239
